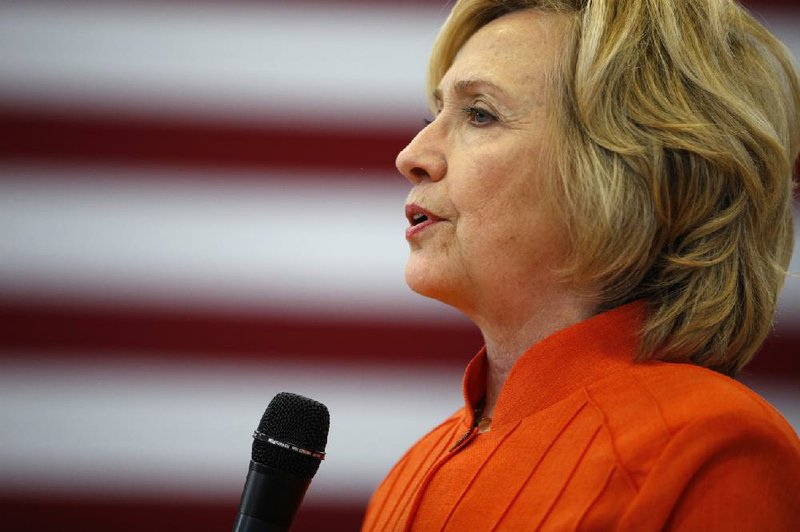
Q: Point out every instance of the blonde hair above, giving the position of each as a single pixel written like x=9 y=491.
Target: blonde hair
x=676 y=129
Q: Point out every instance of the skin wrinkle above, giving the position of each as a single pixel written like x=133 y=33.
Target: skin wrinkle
x=497 y=256
x=473 y=87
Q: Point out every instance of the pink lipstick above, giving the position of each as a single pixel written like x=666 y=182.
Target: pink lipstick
x=419 y=219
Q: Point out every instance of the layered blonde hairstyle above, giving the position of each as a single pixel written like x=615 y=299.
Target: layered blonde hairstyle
x=676 y=127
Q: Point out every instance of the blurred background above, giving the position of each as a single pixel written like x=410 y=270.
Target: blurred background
x=198 y=210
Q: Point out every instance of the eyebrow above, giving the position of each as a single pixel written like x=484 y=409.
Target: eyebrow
x=471 y=85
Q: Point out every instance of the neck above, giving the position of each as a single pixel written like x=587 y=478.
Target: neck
x=506 y=340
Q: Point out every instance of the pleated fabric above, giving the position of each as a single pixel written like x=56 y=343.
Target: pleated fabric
x=584 y=438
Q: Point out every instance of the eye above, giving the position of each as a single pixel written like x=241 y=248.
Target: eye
x=479 y=117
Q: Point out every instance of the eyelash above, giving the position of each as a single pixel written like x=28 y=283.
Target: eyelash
x=470 y=111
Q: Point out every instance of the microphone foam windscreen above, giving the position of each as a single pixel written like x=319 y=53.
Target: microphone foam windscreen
x=296 y=420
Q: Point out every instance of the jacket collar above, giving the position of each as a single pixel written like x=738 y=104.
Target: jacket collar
x=558 y=365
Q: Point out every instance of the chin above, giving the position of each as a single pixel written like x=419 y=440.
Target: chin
x=432 y=283
x=420 y=281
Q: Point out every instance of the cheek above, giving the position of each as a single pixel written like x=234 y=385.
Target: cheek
x=509 y=221
x=495 y=199
x=480 y=190
x=498 y=193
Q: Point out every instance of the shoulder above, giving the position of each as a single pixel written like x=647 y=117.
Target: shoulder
x=696 y=441
x=657 y=410
x=687 y=395
x=671 y=397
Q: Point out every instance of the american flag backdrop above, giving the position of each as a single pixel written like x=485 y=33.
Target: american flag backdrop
x=198 y=210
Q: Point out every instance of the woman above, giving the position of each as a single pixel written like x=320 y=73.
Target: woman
x=605 y=190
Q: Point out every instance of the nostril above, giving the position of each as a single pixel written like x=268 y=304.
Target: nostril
x=419 y=173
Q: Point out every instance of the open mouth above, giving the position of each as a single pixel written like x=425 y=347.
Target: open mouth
x=416 y=215
x=418 y=219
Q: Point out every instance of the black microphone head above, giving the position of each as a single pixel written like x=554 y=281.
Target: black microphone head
x=292 y=420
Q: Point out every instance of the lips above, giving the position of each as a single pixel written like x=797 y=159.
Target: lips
x=419 y=218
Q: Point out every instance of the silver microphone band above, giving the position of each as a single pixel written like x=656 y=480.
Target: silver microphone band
x=260 y=436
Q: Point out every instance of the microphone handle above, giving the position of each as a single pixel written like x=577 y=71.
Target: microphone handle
x=270 y=500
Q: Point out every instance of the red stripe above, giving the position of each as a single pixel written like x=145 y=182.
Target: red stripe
x=73 y=331
x=69 y=137
x=63 y=136
x=790 y=5
x=89 y=332
x=41 y=514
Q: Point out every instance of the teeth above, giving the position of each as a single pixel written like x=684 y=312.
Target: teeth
x=419 y=218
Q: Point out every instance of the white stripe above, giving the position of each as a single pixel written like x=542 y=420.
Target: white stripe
x=782 y=22
x=257 y=61
x=284 y=242
x=160 y=429
x=789 y=297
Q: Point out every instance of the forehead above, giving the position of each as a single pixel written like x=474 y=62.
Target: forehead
x=516 y=52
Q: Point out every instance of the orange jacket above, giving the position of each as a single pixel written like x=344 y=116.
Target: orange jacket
x=584 y=438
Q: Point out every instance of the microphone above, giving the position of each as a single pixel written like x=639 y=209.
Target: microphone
x=287 y=449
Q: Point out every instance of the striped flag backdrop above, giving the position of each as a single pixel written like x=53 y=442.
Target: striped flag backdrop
x=199 y=209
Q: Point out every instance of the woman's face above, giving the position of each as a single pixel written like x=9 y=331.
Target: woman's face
x=477 y=168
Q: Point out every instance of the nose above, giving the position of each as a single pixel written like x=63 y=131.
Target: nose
x=423 y=158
